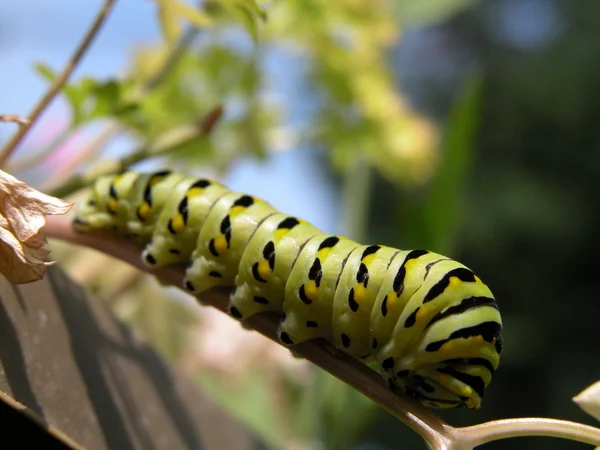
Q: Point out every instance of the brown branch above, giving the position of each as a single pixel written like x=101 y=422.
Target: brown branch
x=422 y=420
x=14 y=118
x=171 y=140
x=59 y=82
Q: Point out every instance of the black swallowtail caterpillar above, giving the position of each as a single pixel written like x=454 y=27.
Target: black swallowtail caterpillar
x=429 y=324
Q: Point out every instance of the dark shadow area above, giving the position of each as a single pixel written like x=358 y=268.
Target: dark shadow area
x=103 y=375
x=14 y=365
x=16 y=427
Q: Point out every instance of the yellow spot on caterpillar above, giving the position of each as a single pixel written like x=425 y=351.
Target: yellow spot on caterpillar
x=144 y=210
x=477 y=279
x=466 y=391
x=391 y=300
x=410 y=262
x=113 y=205
x=359 y=293
x=236 y=210
x=422 y=314
x=311 y=290
x=455 y=282
x=263 y=269
x=368 y=259
x=447 y=347
x=280 y=233
x=177 y=223
x=195 y=192
x=322 y=254
x=221 y=244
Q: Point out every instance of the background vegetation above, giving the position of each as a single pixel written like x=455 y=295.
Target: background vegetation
x=468 y=128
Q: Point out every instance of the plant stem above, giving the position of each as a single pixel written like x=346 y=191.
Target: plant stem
x=58 y=83
x=14 y=118
x=45 y=153
x=527 y=426
x=169 y=141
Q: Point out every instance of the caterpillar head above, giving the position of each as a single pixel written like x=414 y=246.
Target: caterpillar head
x=452 y=334
x=100 y=209
x=452 y=384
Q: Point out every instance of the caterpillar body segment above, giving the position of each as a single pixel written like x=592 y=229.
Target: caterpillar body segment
x=310 y=289
x=230 y=224
x=153 y=190
x=266 y=264
x=180 y=221
x=406 y=273
x=358 y=288
x=428 y=323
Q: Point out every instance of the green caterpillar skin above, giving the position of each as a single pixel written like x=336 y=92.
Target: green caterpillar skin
x=430 y=325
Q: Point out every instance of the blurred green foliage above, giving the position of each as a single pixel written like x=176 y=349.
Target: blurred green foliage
x=505 y=178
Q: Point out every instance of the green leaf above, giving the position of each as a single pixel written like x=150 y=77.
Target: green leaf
x=168 y=16
x=45 y=71
x=108 y=96
x=428 y=11
x=248 y=12
x=75 y=93
x=441 y=208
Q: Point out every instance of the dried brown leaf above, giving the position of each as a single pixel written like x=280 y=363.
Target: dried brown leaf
x=23 y=212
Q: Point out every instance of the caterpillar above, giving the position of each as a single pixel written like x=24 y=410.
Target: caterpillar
x=428 y=324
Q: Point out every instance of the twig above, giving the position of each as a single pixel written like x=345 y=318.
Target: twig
x=89 y=151
x=430 y=427
x=59 y=82
x=169 y=141
x=528 y=426
x=172 y=59
x=14 y=118
x=42 y=155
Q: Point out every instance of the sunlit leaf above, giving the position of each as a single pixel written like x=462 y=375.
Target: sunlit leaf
x=168 y=16
x=441 y=205
x=45 y=71
x=247 y=12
